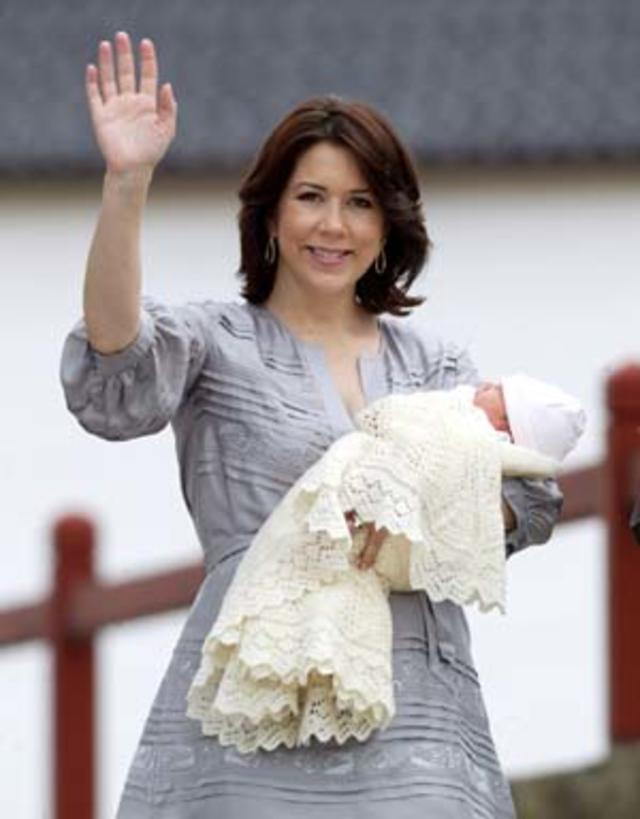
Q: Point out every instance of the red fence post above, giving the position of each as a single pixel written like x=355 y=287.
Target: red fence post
x=73 y=732
x=623 y=464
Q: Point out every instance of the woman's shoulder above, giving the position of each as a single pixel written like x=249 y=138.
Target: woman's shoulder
x=209 y=317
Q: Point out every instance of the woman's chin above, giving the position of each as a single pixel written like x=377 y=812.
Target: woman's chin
x=326 y=281
x=339 y=276
x=330 y=286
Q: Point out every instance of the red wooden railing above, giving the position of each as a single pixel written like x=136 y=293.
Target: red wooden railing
x=80 y=605
x=623 y=482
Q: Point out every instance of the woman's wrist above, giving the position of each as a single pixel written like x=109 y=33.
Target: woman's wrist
x=134 y=182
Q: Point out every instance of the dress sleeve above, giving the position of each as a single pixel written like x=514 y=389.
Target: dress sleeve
x=536 y=504
x=137 y=390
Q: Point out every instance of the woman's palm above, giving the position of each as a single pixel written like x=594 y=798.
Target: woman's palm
x=130 y=133
x=133 y=125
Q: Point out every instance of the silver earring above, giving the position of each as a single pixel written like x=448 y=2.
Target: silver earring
x=271 y=251
x=380 y=264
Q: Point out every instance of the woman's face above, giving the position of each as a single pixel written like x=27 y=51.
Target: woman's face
x=328 y=224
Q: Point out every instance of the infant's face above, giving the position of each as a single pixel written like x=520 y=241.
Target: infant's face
x=489 y=398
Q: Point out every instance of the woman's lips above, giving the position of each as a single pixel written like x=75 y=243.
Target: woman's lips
x=328 y=256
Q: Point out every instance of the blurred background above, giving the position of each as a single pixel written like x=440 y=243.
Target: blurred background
x=524 y=118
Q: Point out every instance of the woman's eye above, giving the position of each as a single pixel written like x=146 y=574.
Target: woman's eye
x=362 y=202
x=309 y=196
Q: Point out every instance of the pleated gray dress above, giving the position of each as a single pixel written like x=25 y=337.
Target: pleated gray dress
x=252 y=407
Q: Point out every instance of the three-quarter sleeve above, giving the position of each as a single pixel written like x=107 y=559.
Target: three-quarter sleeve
x=536 y=504
x=137 y=390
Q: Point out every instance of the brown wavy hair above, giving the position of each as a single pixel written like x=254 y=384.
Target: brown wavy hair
x=390 y=172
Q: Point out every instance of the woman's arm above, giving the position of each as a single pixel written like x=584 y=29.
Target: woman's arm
x=535 y=506
x=127 y=366
x=133 y=126
x=113 y=279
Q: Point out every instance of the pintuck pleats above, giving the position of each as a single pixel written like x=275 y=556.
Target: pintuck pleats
x=252 y=407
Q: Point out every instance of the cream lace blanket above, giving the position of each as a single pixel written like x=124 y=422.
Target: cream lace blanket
x=302 y=643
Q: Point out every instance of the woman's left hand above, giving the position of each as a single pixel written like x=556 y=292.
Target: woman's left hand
x=373 y=540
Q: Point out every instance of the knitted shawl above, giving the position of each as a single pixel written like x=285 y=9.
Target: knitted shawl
x=301 y=646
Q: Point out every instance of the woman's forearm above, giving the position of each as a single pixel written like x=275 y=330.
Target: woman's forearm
x=113 y=279
x=536 y=506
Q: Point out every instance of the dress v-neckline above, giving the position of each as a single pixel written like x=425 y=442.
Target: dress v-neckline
x=368 y=365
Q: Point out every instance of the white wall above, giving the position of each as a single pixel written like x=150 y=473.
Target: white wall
x=534 y=269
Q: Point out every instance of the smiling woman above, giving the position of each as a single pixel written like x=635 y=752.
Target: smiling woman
x=326 y=236
x=333 y=173
x=327 y=220
x=332 y=236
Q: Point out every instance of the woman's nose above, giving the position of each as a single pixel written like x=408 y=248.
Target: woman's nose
x=333 y=218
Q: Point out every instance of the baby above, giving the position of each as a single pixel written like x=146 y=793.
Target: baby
x=301 y=646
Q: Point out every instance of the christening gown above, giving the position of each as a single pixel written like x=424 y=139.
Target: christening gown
x=252 y=407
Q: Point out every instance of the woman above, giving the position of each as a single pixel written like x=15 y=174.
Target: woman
x=331 y=238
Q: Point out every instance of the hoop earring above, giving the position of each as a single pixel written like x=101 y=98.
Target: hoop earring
x=271 y=251
x=380 y=264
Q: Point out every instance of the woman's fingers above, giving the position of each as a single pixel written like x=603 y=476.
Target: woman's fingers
x=167 y=104
x=374 y=540
x=114 y=76
x=125 y=63
x=107 y=71
x=133 y=128
x=148 y=68
x=92 y=88
x=367 y=557
x=352 y=523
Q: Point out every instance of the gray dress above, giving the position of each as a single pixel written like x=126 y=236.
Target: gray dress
x=252 y=407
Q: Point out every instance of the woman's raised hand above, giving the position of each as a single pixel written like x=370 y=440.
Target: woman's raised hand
x=133 y=123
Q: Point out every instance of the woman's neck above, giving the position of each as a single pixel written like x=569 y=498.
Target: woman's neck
x=320 y=319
